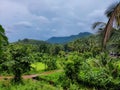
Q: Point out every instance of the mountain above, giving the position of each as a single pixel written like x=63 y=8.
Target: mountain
x=31 y=41
x=68 y=38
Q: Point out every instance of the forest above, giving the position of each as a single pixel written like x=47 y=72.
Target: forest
x=88 y=63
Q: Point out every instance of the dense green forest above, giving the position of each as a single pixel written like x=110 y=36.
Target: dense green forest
x=88 y=63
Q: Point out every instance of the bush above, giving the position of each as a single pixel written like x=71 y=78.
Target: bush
x=28 y=85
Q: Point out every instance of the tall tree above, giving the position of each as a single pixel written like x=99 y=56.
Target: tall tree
x=113 y=13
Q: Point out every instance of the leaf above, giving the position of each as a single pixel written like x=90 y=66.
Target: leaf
x=96 y=24
x=1 y=29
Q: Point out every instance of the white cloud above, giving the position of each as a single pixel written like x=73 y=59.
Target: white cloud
x=42 y=19
x=81 y=24
x=11 y=10
x=23 y=24
x=45 y=18
x=97 y=13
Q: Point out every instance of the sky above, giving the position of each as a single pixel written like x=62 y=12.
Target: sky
x=42 y=19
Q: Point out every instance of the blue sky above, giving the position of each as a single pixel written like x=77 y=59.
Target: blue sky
x=42 y=19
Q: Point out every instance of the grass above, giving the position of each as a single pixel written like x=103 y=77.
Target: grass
x=28 y=85
x=52 y=77
x=38 y=66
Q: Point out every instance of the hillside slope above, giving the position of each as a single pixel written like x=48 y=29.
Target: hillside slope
x=68 y=38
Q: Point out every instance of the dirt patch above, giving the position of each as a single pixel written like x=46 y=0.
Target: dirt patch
x=31 y=76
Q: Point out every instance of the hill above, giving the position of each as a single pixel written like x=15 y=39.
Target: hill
x=68 y=38
x=31 y=41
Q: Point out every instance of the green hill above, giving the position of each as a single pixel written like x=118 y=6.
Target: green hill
x=31 y=41
x=67 y=38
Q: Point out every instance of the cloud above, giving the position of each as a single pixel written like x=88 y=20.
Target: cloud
x=81 y=24
x=97 y=13
x=12 y=11
x=41 y=19
x=23 y=24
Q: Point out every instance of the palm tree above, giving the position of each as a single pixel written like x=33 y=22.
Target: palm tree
x=106 y=30
x=113 y=13
x=115 y=33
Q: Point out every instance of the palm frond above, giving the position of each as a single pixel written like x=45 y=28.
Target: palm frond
x=111 y=9
x=115 y=37
x=98 y=24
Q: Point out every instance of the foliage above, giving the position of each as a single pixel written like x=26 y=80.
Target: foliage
x=50 y=62
x=17 y=60
x=38 y=66
x=84 y=63
x=3 y=38
x=52 y=77
x=28 y=85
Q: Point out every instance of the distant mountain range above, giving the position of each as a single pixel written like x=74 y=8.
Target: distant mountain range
x=31 y=41
x=59 y=40
x=68 y=38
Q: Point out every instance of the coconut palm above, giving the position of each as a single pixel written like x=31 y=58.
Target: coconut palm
x=113 y=13
x=107 y=30
x=115 y=33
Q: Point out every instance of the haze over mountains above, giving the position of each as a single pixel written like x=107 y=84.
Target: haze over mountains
x=59 y=40
x=67 y=38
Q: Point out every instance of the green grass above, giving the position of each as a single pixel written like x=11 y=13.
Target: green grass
x=52 y=77
x=38 y=66
x=28 y=85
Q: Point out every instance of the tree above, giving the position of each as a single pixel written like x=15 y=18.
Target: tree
x=17 y=59
x=3 y=37
x=113 y=38
x=113 y=13
x=55 y=49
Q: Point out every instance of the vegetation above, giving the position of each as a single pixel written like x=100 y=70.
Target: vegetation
x=68 y=38
x=28 y=85
x=38 y=66
x=113 y=14
x=3 y=38
x=88 y=63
